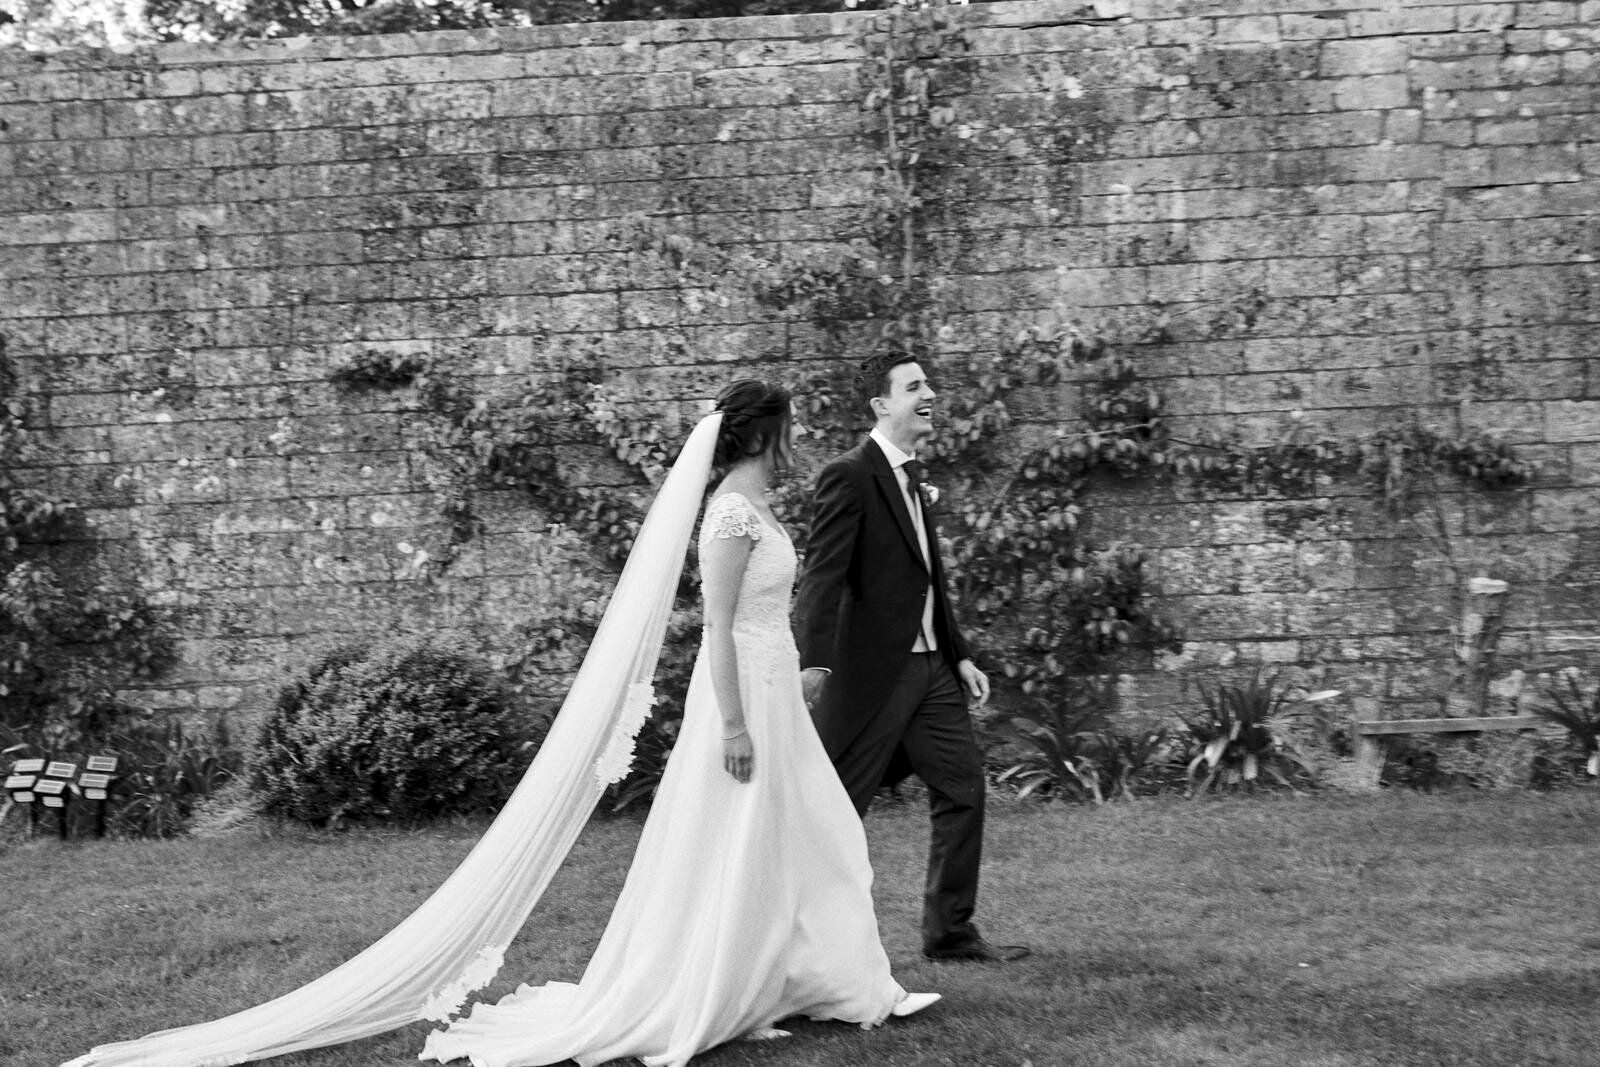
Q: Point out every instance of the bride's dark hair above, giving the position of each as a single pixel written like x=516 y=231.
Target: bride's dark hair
x=755 y=419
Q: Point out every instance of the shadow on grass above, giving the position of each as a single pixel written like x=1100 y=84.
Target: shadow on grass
x=1537 y=1016
x=1533 y=1016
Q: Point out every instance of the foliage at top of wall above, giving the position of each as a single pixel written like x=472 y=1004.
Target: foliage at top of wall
x=54 y=24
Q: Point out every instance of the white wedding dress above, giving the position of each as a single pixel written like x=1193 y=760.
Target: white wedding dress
x=745 y=904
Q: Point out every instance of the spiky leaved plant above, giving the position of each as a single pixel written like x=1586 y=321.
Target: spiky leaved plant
x=1579 y=713
x=1241 y=736
x=1128 y=760
x=1063 y=753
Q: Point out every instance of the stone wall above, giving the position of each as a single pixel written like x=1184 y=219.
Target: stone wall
x=1348 y=216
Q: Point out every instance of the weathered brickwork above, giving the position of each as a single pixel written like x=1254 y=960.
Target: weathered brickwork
x=1349 y=215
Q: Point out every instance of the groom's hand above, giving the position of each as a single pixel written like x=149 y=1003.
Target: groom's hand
x=812 y=680
x=976 y=681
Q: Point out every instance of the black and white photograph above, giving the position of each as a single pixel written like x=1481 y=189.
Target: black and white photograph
x=800 y=533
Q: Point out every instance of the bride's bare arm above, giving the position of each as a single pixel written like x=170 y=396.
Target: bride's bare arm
x=722 y=566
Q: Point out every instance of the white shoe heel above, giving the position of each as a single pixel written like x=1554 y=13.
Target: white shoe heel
x=912 y=1003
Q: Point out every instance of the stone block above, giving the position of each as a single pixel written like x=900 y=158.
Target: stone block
x=569 y=312
x=1264 y=653
x=1439 y=19
x=1363 y=56
x=689 y=55
x=350 y=474
x=1578 y=66
x=1526 y=69
x=1253 y=29
x=1376 y=92
x=1489 y=19
x=1536 y=164
x=1230 y=619
x=746 y=86
x=1572 y=421
x=1320 y=25
x=1286 y=97
x=1549 y=13
x=38 y=121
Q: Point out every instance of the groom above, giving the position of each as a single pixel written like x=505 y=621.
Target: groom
x=887 y=673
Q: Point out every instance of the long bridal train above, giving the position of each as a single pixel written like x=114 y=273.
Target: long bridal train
x=454 y=942
x=745 y=904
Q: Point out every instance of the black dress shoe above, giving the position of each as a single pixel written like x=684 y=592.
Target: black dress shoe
x=979 y=951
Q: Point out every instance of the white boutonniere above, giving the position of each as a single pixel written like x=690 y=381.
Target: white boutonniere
x=929 y=493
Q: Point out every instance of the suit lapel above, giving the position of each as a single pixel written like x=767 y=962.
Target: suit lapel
x=889 y=486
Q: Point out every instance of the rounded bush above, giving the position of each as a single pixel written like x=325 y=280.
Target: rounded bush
x=406 y=729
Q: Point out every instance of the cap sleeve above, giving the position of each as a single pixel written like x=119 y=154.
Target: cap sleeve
x=730 y=515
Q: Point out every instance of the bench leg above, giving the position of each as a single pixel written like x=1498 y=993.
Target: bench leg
x=1369 y=761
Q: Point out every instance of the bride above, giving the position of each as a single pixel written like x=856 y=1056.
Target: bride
x=749 y=899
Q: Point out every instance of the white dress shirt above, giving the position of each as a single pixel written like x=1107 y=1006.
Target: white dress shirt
x=926 y=640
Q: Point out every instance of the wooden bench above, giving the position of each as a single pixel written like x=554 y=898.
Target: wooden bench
x=1369 y=750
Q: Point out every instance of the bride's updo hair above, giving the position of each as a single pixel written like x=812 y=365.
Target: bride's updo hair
x=755 y=419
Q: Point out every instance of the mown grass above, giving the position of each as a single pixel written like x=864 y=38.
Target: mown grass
x=1392 y=929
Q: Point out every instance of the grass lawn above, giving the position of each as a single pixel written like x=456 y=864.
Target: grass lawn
x=1392 y=929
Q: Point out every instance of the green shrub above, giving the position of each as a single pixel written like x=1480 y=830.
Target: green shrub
x=1060 y=746
x=1474 y=761
x=659 y=734
x=1068 y=749
x=1140 y=764
x=1557 y=766
x=408 y=729
x=1488 y=761
x=166 y=772
x=651 y=750
x=1411 y=760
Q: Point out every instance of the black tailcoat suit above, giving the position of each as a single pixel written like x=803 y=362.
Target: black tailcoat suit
x=885 y=708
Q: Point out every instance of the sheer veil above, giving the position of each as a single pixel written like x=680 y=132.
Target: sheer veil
x=455 y=941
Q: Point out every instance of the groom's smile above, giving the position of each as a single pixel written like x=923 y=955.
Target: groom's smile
x=905 y=411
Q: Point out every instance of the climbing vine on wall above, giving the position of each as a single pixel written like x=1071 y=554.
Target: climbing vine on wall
x=913 y=72
x=1056 y=604
x=72 y=629
x=517 y=443
x=477 y=443
x=1397 y=462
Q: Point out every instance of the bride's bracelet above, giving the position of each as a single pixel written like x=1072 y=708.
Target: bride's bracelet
x=737 y=733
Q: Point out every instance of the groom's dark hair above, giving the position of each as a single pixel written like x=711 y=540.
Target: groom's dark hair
x=872 y=376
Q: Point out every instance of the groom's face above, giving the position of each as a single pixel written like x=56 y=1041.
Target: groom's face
x=905 y=411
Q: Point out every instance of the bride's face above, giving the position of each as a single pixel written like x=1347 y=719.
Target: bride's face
x=783 y=454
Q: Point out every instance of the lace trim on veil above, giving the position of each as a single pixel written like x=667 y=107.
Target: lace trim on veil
x=454 y=942
x=479 y=972
x=617 y=759
x=611 y=767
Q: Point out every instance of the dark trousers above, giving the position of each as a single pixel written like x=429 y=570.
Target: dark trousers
x=926 y=725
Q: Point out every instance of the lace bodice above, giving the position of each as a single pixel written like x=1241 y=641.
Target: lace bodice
x=763 y=611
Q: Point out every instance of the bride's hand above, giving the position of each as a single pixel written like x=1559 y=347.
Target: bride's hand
x=739 y=756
